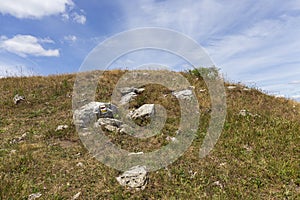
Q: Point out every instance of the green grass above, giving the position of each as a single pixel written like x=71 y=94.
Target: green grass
x=255 y=157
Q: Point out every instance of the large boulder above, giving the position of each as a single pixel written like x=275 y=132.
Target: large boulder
x=93 y=111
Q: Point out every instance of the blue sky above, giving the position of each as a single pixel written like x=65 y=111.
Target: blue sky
x=254 y=42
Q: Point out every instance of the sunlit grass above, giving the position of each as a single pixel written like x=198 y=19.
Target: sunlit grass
x=255 y=157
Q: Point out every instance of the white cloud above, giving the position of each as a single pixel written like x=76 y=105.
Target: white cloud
x=34 y=9
x=81 y=19
x=70 y=38
x=295 y=82
x=24 y=45
x=37 y=9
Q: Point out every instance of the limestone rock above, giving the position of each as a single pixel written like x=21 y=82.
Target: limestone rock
x=17 y=99
x=183 y=94
x=61 y=127
x=127 y=90
x=128 y=93
x=135 y=177
x=109 y=121
x=127 y=98
x=34 y=196
x=145 y=111
x=92 y=111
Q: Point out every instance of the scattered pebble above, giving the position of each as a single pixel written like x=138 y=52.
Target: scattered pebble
x=18 y=98
x=61 y=127
x=34 y=196
x=80 y=164
x=18 y=139
x=76 y=196
x=246 y=89
x=173 y=139
x=231 y=87
x=245 y=113
x=217 y=183
x=135 y=153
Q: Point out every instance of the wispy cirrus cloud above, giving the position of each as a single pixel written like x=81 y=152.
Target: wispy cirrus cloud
x=257 y=41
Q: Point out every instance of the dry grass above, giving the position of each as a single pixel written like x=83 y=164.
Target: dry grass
x=255 y=157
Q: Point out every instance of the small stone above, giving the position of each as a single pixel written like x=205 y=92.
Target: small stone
x=76 y=196
x=13 y=151
x=34 y=196
x=243 y=113
x=111 y=128
x=61 y=127
x=183 y=94
x=109 y=121
x=18 y=139
x=217 y=183
x=18 y=98
x=145 y=111
x=135 y=177
x=135 y=153
x=124 y=128
x=202 y=90
x=173 y=139
x=127 y=98
x=231 y=87
x=80 y=164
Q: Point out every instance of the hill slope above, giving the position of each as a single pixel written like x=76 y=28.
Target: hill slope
x=255 y=157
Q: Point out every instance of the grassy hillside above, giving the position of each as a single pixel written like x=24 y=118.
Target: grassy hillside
x=256 y=157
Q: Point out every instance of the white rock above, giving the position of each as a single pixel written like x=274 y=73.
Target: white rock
x=217 y=183
x=127 y=90
x=76 y=196
x=124 y=128
x=243 y=113
x=231 y=87
x=109 y=121
x=202 y=90
x=111 y=128
x=34 y=196
x=92 y=111
x=127 y=98
x=18 y=139
x=61 y=127
x=247 y=113
x=136 y=177
x=17 y=98
x=183 y=94
x=173 y=139
x=146 y=110
x=135 y=153
x=80 y=164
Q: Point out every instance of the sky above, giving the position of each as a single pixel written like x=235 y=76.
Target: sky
x=253 y=42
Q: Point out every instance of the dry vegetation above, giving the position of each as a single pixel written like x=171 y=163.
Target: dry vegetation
x=255 y=157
